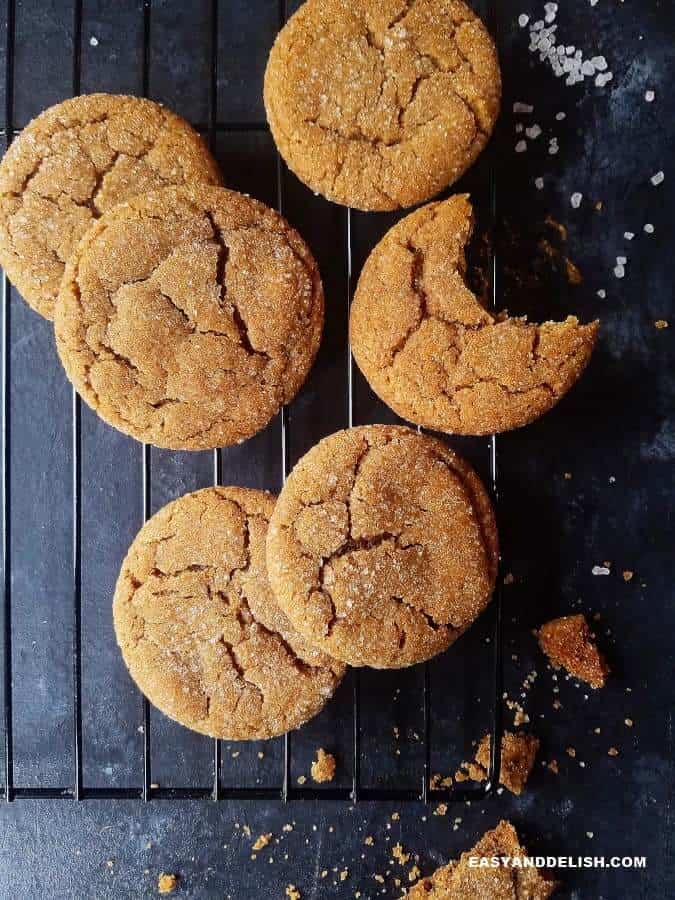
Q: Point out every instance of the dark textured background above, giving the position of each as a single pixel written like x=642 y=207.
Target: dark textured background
x=613 y=434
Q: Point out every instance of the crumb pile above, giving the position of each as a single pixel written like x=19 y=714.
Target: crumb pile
x=382 y=548
x=198 y=626
x=382 y=105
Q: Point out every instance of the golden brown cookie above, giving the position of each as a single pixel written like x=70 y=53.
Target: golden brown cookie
x=434 y=354
x=71 y=164
x=188 y=317
x=198 y=626
x=382 y=548
x=381 y=104
x=463 y=881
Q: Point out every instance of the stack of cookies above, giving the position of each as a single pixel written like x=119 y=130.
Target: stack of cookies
x=186 y=315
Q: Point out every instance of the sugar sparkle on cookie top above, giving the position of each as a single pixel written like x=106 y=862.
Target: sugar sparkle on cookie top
x=381 y=104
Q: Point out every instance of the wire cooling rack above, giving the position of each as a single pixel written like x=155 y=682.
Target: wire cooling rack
x=67 y=773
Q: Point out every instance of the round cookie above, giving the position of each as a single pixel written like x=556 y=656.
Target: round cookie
x=431 y=350
x=75 y=161
x=198 y=626
x=188 y=317
x=382 y=548
x=381 y=104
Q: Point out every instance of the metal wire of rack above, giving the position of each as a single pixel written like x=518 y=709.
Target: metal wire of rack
x=285 y=791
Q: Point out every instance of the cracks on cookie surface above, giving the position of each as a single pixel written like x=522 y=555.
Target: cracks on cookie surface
x=458 y=340
x=203 y=599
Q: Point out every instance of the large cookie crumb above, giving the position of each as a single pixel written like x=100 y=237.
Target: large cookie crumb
x=518 y=754
x=568 y=642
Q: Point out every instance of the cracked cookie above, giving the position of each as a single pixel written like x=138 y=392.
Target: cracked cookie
x=382 y=548
x=198 y=626
x=432 y=352
x=381 y=104
x=188 y=317
x=75 y=161
x=463 y=881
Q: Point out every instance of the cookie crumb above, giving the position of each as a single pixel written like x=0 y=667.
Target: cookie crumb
x=293 y=893
x=262 y=841
x=568 y=642
x=400 y=855
x=627 y=575
x=660 y=324
x=517 y=760
x=167 y=883
x=323 y=768
x=612 y=751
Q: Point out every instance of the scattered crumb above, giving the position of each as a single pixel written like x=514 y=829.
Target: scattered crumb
x=399 y=855
x=552 y=766
x=302 y=779
x=293 y=893
x=612 y=751
x=368 y=841
x=658 y=178
x=574 y=275
x=167 y=883
x=262 y=841
x=93 y=41
x=508 y=578
x=414 y=873
x=627 y=575
x=629 y=723
x=441 y=809
x=660 y=324
x=323 y=768
x=570 y=751
x=568 y=642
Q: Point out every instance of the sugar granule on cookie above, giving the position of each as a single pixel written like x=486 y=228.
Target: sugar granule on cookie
x=463 y=881
x=198 y=626
x=73 y=162
x=189 y=316
x=323 y=767
x=382 y=105
x=568 y=642
x=519 y=751
x=430 y=349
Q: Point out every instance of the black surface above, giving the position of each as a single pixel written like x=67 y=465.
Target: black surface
x=614 y=434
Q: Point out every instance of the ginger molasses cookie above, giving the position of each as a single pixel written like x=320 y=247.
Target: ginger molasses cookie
x=199 y=629
x=381 y=104
x=71 y=164
x=465 y=880
x=188 y=317
x=431 y=350
x=382 y=548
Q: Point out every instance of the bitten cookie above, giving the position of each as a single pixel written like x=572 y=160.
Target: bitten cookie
x=463 y=881
x=382 y=548
x=71 y=164
x=381 y=104
x=198 y=626
x=188 y=317
x=434 y=354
